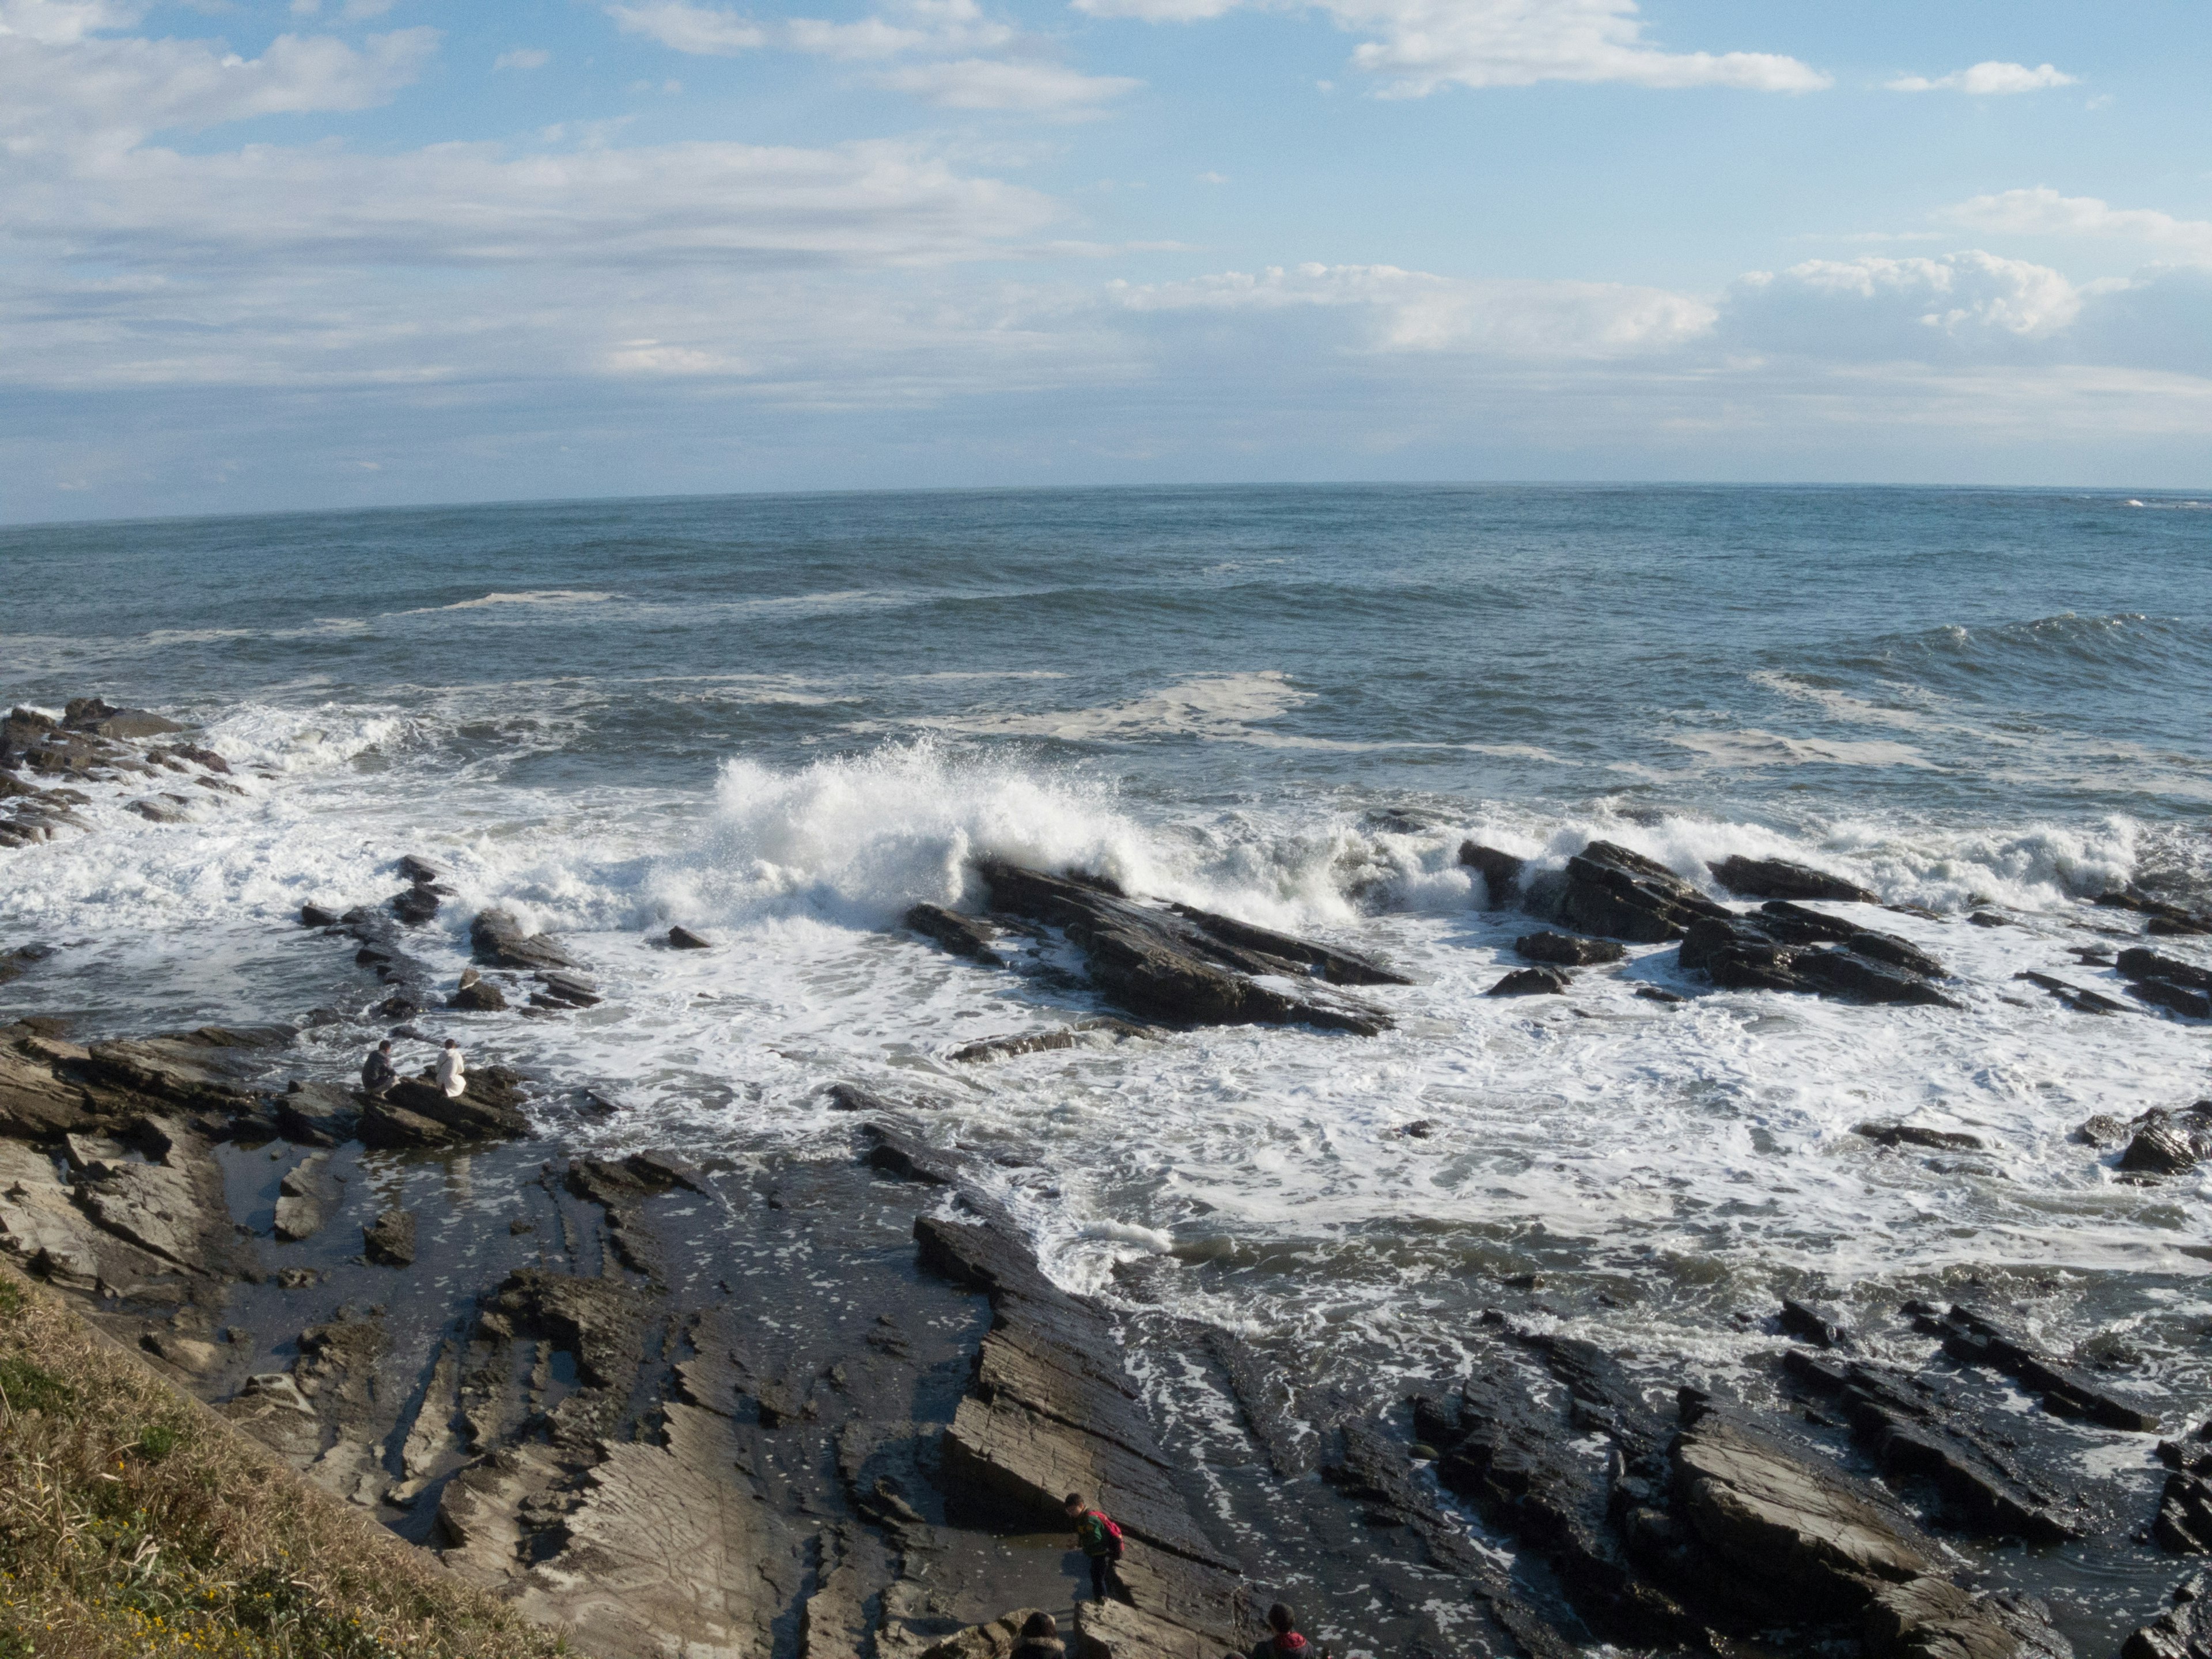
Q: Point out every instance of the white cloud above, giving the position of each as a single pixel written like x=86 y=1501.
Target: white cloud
x=704 y=31
x=523 y=57
x=1986 y=79
x=984 y=83
x=2044 y=212
x=59 y=82
x=1424 y=45
x=1414 y=310
x=1876 y=308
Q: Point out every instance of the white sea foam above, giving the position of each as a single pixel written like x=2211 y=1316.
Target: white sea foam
x=1601 y=1132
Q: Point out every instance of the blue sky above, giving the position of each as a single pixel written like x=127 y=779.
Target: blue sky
x=271 y=253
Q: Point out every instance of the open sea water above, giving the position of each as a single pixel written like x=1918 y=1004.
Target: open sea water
x=781 y=720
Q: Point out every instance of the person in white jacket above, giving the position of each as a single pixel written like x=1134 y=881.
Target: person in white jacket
x=453 y=1070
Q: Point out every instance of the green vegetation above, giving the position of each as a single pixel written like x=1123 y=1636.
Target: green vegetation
x=133 y=1522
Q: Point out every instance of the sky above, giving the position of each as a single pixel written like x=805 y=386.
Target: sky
x=268 y=254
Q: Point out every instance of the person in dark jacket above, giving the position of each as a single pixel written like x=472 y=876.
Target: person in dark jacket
x=1040 y=1639
x=1285 y=1643
x=1099 y=1539
x=377 y=1074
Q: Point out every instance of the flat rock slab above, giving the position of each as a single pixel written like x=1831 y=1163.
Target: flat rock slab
x=1978 y=1338
x=1812 y=1531
x=664 y=1553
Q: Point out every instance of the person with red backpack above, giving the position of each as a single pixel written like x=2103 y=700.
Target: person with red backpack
x=1284 y=1643
x=1099 y=1539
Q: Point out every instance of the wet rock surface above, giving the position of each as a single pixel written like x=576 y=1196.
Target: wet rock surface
x=1187 y=966
x=1778 y=878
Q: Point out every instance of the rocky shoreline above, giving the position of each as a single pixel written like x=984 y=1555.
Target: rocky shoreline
x=827 y=1405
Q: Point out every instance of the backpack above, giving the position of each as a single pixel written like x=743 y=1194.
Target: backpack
x=1113 y=1534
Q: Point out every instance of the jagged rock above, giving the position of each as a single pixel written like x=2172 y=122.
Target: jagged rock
x=1619 y=894
x=964 y=936
x=104 y=719
x=1934 y=1619
x=499 y=942
x=2162 y=917
x=389 y=1241
x=2164 y=1144
x=1915 y=1135
x=386 y=1124
x=1824 y=1327
x=1778 y=878
x=35 y=1103
x=2102 y=1130
x=2078 y=998
x=171 y=1205
x=300 y=1199
x=561 y=990
x=415 y=906
x=1564 y=950
x=1500 y=872
x=317 y=1114
x=1974 y=1338
x=178 y=1071
x=1739 y=953
x=1912 y=1426
x=419 y=871
x=2184 y=1523
x=484 y=1111
x=2183 y=1632
x=2167 y=982
x=52 y=1237
x=477 y=995
x=1188 y=965
x=1813 y=1532
x=1532 y=982
x=1086 y=1033
x=682 y=938
x=594 y=1319
x=313 y=916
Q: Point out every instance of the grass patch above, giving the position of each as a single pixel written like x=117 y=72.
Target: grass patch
x=133 y=1522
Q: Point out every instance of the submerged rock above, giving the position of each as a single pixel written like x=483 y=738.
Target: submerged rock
x=1975 y=1338
x=1916 y=1134
x=1778 y=878
x=1532 y=982
x=2167 y=982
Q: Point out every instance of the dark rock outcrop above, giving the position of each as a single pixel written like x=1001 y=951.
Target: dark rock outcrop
x=2080 y=999
x=389 y=1241
x=2184 y=1631
x=477 y=995
x=1188 y=966
x=499 y=941
x=1743 y=953
x=1778 y=878
x=1564 y=950
x=1915 y=1135
x=1821 y=1326
x=1912 y=1426
x=1974 y=1338
x=682 y=938
x=1500 y=872
x=2166 y=1143
x=1532 y=982
x=2166 y=981
x=1616 y=893
x=964 y=936
x=2160 y=915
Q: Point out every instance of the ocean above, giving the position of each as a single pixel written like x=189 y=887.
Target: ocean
x=781 y=720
